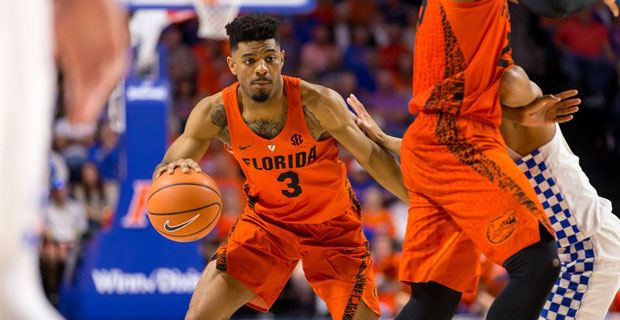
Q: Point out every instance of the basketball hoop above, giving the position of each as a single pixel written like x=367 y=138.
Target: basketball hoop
x=213 y=16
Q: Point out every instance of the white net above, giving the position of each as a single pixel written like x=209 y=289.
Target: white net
x=213 y=16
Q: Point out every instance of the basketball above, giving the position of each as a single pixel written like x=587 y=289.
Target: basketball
x=184 y=206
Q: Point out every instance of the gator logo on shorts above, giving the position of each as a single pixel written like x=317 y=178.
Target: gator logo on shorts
x=502 y=227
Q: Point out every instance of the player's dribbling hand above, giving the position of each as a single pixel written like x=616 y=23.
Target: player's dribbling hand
x=550 y=109
x=184 y=164
x=365 y=122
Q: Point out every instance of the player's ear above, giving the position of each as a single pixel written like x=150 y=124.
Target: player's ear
x=282 y=54
x=231 y=65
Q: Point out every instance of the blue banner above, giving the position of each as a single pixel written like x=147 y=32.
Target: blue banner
x=130 y=271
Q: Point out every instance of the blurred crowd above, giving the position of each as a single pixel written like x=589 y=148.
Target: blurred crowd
x=363 y=47
x=84 y=178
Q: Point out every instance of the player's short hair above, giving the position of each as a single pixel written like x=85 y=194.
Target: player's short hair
x=253 y=27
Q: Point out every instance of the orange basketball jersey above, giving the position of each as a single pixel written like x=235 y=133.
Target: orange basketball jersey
x=292 y=178
x=454 y=47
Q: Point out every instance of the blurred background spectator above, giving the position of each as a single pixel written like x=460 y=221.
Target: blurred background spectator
x=65 y=221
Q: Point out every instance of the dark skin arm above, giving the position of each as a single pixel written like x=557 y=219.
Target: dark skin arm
x=207 y=121
x=524 y=128
x=527 y=128
x=330 y=112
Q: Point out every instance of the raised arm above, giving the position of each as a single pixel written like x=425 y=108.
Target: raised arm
x=523 y=103
x=528 y=117
x=330 y=111
x=206 y=121
x=368 y=125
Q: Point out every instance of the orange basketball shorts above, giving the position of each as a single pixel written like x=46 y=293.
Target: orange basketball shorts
x=467 y=197
x=261 y=253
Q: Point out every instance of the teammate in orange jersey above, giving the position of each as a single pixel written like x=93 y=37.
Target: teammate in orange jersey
x=283 y=132
x=540 y=110
x=466 y=194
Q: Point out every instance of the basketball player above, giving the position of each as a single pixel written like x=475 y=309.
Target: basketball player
x=284 y=132
x=91 y=46
x=466 y=195
x=588 y=236
x=588 y=233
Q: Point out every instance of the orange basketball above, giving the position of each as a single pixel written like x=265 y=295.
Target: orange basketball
x=184 y=206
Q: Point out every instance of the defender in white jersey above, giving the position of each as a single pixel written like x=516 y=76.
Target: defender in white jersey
x=27 y=83
x=587 y=232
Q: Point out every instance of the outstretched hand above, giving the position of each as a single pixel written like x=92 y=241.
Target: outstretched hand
x=365 y=122
x=550 y=109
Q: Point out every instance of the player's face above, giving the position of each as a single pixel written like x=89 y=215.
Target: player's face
x=258 y=67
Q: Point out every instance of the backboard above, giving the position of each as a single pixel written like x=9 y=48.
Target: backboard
x=270 y=6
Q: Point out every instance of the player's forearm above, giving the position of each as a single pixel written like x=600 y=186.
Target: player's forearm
x=188 y=146
x=512 y=114
x=384 y=168
x=391 y=143
x=183 y=148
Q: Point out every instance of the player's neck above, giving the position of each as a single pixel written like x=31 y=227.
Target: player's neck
x=273 y=106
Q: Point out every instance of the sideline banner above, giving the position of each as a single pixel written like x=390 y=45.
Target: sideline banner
x=130 y=271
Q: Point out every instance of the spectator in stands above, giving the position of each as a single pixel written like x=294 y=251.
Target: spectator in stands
x=588 y=56
x=184 y=100
x=376 y=219
x=359 y=179
x=411 y=28
x=359 y=58
x=208 y=56
x=98 y=201
x=615 y=111
x=390 y=55
x=105 y=154
x=392 y=293
x=181 y=63
x=290 y=44
x=320 y=54
x=58 y=166
x=389 y=105
x=590 y=63
x=64 y=223
x=361 y=12
x=72 y=141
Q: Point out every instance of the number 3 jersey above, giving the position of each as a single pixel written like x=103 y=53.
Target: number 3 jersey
x=291 y=178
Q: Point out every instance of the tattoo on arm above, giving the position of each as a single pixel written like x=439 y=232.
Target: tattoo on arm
x=218 y=118
x=314 y=125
